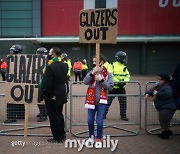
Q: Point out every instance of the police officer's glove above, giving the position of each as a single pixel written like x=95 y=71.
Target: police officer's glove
x=121 y=84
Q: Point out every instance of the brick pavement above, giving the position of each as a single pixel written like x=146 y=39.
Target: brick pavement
x=140 y=144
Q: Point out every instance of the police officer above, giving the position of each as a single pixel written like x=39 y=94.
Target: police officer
x=42 y=116
x=16 y=49
x=120 y=77
x=66 y=60
x=15 y=111
x=84 y=68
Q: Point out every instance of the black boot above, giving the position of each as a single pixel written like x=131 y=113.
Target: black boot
x=169 y=132
x=124 y=118
x=41 y=119
x=164 y=135
x=9 y=121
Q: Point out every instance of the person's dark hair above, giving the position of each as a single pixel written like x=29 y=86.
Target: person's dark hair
x=102 y=58
x=77 y=59
x=164 y=76
x=57 y=51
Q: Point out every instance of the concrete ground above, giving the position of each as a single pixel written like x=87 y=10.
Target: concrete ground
x=143 y=143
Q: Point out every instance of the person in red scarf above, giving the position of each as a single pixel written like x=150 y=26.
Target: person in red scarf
x=100 y=82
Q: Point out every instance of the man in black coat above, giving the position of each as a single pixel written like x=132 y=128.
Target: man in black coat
x=55 y=94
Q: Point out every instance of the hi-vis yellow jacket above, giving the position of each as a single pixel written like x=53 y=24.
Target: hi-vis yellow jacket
x=84 y=67
x=68 y=62
x=107 y=65
x=120 y=73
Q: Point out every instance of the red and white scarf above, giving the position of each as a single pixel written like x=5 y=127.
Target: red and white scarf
x=91 y=92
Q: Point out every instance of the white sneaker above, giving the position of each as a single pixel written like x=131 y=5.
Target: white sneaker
x=98 y=144
x=89 y=142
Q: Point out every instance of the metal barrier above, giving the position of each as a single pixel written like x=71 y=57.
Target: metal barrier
x=17 y=128
x=152 y=125
x=113 y=125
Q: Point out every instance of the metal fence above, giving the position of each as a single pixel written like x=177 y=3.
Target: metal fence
x=152 y=125
x=76 y=115
x=17 y=128
x=113 y=125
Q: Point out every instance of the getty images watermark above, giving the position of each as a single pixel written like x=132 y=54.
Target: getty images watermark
x=107 y=142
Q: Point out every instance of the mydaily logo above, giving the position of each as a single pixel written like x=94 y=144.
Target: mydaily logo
x=107 y=142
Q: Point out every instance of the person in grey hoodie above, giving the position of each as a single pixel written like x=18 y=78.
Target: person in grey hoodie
x=100 y=82
x=164 y=103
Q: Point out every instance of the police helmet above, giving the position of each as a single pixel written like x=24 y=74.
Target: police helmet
x=42 y=51
x=64 y=56
x=16 y=49
x=84 y=61
x=121 y=57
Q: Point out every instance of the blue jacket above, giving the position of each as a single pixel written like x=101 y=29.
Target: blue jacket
x=164 y=98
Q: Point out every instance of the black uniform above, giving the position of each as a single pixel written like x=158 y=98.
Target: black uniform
x=15 y=111
x=42 y=116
